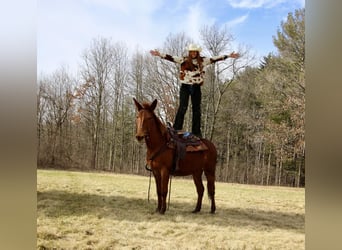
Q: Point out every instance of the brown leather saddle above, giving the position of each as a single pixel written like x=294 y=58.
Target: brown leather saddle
x=190 y=142
x=183 y=142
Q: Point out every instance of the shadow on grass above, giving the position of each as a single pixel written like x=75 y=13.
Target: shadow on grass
x=56 y=203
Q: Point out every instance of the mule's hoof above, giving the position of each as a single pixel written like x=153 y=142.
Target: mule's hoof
x=195 y=211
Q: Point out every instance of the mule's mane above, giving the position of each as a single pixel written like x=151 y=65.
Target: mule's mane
x=161 y=126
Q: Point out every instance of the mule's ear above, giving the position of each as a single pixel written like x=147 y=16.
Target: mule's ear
x=153 y=104
x=137 y=104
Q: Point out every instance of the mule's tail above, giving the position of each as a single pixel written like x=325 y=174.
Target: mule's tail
x=210 y=157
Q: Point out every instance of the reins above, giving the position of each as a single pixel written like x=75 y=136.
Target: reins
x=149 y=183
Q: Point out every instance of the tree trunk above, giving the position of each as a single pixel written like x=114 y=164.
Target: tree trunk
x=268 y=168
x=226 y=174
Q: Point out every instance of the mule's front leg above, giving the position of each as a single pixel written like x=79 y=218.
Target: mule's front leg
x=157 y=178
x=164 y=188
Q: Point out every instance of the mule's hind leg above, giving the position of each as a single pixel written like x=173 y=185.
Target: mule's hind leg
x=211 y=190
x=200 y=190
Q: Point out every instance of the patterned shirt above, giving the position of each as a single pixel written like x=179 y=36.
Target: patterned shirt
x=192 y=74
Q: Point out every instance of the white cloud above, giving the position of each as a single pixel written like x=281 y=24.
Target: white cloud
x=193 y=19
x=66 y=28
x=237 y=21
x=252 y=4
x=129 y=6
x=301 y=3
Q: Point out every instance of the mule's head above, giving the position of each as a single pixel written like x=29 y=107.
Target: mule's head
x=144 y=118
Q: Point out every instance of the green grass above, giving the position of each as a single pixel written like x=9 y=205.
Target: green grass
x=110 y=211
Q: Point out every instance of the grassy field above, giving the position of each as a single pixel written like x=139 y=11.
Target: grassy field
x=109 y=211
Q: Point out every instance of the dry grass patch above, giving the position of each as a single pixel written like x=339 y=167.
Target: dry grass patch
x=110 y=211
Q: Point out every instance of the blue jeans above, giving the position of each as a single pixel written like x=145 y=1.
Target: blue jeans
x=194 y=91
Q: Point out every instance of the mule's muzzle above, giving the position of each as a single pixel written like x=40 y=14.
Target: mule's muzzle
x=139 y=137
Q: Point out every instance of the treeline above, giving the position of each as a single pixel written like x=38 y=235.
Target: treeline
x=253 y=114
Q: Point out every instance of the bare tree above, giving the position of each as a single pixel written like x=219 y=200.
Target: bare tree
x=219 y=76
x=97 y=71
x=118 y=89
x=54 y=107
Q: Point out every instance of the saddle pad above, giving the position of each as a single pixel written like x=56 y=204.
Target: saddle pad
x=201 y=147
x=192 y=148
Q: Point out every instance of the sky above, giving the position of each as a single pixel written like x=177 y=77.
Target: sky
x=65 y=28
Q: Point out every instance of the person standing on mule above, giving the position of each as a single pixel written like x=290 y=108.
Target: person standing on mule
x=191 y=77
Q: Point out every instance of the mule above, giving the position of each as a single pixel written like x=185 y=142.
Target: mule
x=160 y=157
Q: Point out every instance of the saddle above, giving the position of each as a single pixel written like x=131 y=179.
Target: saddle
x=183 y=142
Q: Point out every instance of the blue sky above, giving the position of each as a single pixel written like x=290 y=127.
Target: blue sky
x=65 y=28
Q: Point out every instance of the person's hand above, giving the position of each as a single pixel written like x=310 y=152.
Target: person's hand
x=234 y=55
x=155 y=52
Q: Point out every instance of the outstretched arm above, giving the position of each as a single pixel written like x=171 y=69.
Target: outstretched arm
x=175 y=59
x=221 y=58
x=155 y=52
x=234 y=55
